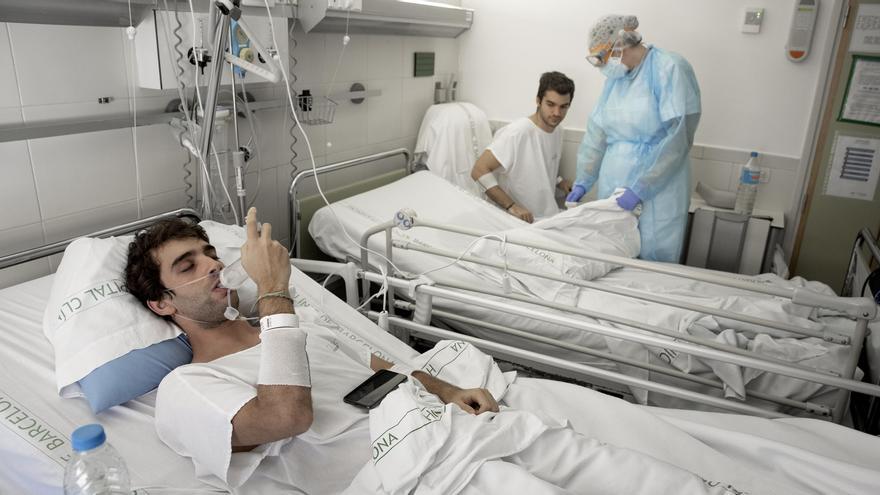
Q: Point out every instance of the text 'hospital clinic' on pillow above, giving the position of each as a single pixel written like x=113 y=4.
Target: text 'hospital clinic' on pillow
x=90 y=319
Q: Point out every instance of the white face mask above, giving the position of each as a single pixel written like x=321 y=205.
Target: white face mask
x=614 y=69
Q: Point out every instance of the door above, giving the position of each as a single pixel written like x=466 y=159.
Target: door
x=830 y=222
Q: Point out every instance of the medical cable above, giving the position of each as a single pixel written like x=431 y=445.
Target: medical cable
x=181 y=92
x=131 y=32
x=345 y=40
x=383 y=290
x=253 y=123
x=312 y=155
x=291 y=64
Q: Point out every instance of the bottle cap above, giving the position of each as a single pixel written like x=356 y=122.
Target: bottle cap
x=754 y=154
x=87 y=437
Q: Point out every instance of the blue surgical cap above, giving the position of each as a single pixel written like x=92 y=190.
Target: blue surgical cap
x=607 y=30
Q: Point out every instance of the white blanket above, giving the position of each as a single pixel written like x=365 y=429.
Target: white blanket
x=595 y=227
x=421 y=446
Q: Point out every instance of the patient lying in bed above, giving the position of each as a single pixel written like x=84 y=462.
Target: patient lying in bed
x=273 y=396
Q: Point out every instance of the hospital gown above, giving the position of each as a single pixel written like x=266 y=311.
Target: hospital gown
x=529 y=159
x=639 y=136
x=489 y=453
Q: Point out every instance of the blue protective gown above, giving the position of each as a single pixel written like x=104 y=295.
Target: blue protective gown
x=639 y=136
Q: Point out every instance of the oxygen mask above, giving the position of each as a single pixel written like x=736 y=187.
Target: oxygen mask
x=231 y=277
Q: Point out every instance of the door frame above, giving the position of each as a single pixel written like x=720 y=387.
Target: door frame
x=817 y=140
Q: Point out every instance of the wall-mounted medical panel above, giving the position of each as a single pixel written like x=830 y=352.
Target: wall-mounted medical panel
x=165 y=37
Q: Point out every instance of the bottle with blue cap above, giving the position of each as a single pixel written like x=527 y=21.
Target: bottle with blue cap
x=747 y=190
x=96 y=467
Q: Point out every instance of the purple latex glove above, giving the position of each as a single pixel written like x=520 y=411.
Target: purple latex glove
x=577 y=192
x=628 y=200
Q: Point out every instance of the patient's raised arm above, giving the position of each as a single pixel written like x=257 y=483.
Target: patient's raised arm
x=283 y=405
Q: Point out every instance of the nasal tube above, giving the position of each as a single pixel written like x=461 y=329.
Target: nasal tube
x=232 y=277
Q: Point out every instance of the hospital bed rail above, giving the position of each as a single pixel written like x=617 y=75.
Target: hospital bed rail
x=58 y=247
x=670 y=343
x=860 y=309
x=293 y=205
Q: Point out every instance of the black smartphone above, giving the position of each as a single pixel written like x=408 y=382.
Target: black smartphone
x=371 y=392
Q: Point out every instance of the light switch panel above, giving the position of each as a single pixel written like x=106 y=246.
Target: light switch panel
x=752 y=20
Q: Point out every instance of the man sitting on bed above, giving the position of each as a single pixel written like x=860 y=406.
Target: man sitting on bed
x=274 y=397
x=519 y=169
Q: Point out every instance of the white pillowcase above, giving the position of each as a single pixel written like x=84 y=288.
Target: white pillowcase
x=89 y=319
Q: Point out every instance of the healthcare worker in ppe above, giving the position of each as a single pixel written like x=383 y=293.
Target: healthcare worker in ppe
x=640 y=132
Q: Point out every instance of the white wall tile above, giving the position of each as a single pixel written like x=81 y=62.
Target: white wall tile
x=776 y=195
x=20 y=238
x=418 y=95
x=385 y=57
x=161 y=159
x=9 y=96
x=83 y=171
x=310 y=57
x=162 y=203
x=384 y=111
x=10 y=116
x=349 y=130
x=711 y=173
x=353 y=63
x=74 y=111
x=24 y=272
x=86 y=222
x=17 y=192
x=66 y=64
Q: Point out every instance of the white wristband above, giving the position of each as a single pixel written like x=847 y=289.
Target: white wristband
x=283 y=357
x=279 y=320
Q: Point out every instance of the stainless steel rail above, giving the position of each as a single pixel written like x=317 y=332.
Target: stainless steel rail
x=57 y=247
x=292 y=207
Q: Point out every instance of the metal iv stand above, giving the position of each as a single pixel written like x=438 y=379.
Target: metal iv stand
x=229 y=9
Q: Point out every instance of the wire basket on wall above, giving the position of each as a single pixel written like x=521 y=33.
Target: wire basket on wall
x=315 y=111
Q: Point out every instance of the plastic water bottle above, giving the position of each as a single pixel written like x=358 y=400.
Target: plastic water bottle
x=95 y=468
x=747 y=190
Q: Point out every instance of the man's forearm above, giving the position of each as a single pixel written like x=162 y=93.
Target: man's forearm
x=500 y=197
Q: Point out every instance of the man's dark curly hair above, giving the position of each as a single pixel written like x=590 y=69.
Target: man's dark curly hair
x=142 y=270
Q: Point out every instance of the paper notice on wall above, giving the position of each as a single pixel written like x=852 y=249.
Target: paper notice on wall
x=854 y=168
x=862 y=103
x=866 y=29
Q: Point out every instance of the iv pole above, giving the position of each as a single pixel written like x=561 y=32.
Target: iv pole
x=228 y=9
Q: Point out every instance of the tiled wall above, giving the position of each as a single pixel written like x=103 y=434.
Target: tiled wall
x=53 y=188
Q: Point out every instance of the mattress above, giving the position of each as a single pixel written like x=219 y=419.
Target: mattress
x=808 y=456
x=430 y=197
x=37 y=422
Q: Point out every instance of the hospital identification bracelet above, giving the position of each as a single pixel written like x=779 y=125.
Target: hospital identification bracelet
x=279 y=320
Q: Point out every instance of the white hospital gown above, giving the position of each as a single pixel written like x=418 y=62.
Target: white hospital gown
x=529 y=158
x=196 y=404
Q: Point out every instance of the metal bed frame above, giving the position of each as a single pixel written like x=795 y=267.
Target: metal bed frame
x=860 y=309
x=419 y=326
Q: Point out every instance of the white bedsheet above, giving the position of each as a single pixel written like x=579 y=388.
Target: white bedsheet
x=438 y=200
x=805 y=456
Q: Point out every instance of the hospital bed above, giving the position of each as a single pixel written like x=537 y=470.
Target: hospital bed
x=820 y=346
x=809 y=456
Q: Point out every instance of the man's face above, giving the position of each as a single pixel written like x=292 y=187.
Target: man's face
x=189 y=267
x=553 y=107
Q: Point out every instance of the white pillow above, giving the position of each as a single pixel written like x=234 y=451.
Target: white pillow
x=89 y=319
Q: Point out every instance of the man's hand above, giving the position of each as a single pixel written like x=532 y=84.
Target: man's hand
x=521 y=213
x=565 y=185
x=265 y=260
x=471 y=400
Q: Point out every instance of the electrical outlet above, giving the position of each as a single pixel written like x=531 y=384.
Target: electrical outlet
x=765 y=175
